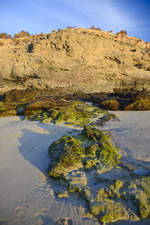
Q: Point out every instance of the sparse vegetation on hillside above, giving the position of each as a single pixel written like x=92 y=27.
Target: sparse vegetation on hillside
x=95 y=28
x=5 y=36
x=22 y=34
x=122 y=33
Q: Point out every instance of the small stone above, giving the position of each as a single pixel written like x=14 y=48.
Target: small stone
x=63 y=195
x=64 y=221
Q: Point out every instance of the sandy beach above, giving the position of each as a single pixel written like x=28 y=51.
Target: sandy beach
x=131 y=132
x=27 y=195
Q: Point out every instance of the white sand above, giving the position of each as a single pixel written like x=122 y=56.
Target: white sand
x=132 y=134
x=26 y=194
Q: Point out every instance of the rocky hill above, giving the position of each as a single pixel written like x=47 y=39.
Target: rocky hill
x=77 y=59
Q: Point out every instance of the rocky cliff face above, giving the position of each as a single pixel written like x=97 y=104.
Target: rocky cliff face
x=77 y=59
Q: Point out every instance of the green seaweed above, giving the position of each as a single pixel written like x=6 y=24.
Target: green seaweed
x=70 y=112
x=109 y=211
x=138 y=191
x=111 y=104
x=66 y=153
x=139 y=104
x=70 y=151
x=114 y=190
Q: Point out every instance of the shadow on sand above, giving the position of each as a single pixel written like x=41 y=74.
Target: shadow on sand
x=34 y=145
x=34 y=148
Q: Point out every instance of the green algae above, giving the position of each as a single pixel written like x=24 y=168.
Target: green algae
x=109 y=211
x=8 y=109
x=111 y=104
x=66 y=153
x=14 y=102
x=70 y=151
x=140 y=104
x=114 y=190
x=138 y=191
x=72 y=113
x=63 y=194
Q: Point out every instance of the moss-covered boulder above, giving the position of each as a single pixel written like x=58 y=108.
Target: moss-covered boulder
x=138 y=191
x=64 y=221
x=14 y=102
x=109 y=211
x=20 y=95
x=139 y=104
x=66 y=154
x=69 y=112
x=111 y=104
x=90 y=148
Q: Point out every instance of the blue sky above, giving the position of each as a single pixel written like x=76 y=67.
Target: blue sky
x=38 y=16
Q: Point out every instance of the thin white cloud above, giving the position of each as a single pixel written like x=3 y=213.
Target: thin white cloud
x=57 y=13
x=106 y=13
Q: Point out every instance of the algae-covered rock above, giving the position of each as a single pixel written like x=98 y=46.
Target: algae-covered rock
x=89 y=149
x=63 y=194
x=138 y=191
x=77 y=181
x=14 y=102
x=114 y=190
x=105 y=118
x=64 y=221
x=19 y=95
x=66 y=153
x=89 y=164
x=101 y=195
x=109 y=211
x=111 y=104
x=107 y=156
x=75 y=113
x=140 y=104
x=143 y=205
x=69 y=112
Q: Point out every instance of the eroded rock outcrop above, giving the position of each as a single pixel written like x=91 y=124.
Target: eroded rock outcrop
x=75 y=58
